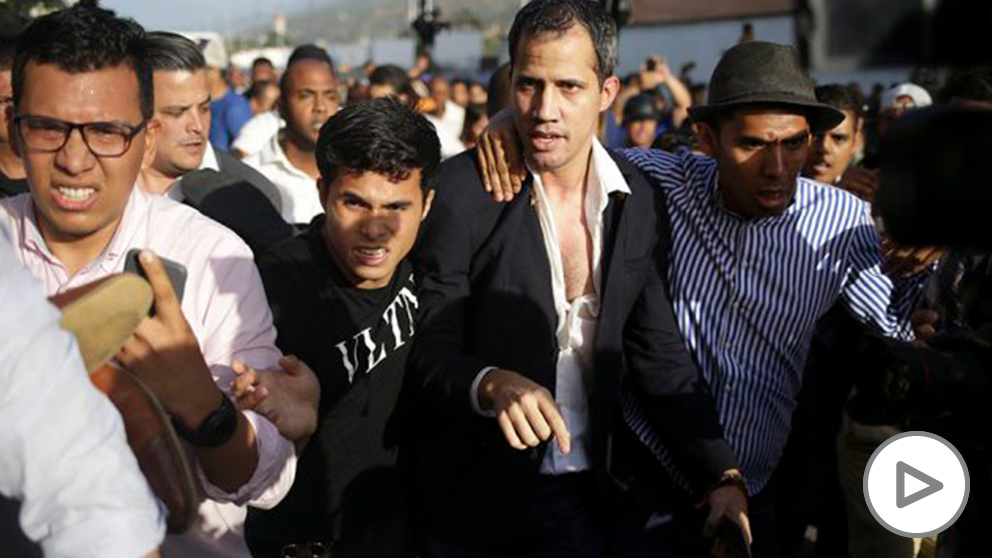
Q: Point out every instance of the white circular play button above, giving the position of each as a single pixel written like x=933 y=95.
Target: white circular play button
x=916 y=484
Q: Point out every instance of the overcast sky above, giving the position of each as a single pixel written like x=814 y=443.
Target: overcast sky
x=201 y=15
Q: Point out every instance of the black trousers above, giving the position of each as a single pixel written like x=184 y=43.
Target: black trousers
x=565 y=523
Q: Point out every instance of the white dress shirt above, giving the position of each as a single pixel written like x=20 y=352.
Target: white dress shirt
x=63 y=451
x=451 y=142
x=578 y=319
x=300 y=201
x=225 y=305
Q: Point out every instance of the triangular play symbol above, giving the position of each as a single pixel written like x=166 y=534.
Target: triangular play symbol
x=903 y=469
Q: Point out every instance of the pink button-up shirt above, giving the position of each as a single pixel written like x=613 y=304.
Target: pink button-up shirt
x=225 y=305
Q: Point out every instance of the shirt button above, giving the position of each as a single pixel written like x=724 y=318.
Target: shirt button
x=728 y=387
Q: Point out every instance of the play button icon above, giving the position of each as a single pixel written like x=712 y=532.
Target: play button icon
x=902 y=470
x=909 y=468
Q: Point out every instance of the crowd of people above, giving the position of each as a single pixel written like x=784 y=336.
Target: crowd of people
x=404 y=313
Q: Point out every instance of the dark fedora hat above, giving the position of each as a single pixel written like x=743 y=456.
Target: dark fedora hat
x=757 y=72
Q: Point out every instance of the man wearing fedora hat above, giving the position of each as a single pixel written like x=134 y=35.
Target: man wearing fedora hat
x=759 y=254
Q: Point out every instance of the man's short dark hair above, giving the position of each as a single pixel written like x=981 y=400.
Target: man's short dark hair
x=556 y=17
x=301 y=53
x=171 y=52
x=83 y=39
x=969 y=85
x=258 y=88
x=262 y=61
x=380 y=136
x=395 y=77
x=842 y=97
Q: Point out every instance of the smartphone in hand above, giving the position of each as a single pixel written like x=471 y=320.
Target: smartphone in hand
x=175 y=271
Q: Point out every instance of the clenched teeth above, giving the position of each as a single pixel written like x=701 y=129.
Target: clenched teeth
x=76 y=194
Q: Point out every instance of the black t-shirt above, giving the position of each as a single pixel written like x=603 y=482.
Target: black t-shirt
x=348 y=489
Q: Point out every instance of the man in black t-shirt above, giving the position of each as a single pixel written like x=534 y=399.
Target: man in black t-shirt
x=343 y=300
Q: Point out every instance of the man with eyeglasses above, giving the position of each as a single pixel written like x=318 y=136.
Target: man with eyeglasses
x=83 y=98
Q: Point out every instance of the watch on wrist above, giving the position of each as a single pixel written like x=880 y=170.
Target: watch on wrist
x=215 y=430
x=732 y=478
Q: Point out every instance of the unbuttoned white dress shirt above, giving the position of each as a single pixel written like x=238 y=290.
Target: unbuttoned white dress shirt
x=577 y=319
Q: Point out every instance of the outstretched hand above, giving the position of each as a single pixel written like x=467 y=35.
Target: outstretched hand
x=289 y=397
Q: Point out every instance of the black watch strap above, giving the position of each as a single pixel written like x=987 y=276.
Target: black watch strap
x=215 y=430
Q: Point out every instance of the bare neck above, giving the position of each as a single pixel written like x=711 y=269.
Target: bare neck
x=10 y=164
x=299 y=155
x=569 y=180
x=75 y=252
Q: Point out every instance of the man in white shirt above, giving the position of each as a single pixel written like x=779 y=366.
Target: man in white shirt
x=308 y=99
x=447 y=113
x=63 y=452
x=539 y=319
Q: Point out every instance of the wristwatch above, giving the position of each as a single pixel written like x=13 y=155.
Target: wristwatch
x=732 y=478
x=215 y=430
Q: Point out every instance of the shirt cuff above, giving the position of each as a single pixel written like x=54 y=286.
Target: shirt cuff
x=273 y=476
x=473 y=395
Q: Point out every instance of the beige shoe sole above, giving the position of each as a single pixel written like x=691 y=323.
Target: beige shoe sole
x=103 y=315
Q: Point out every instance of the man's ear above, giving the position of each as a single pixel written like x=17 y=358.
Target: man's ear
x=708 y=137
x=151 y=143
x=608 y=93
x=428 y=203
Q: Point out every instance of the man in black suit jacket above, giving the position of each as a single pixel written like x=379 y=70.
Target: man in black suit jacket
x=546 y=328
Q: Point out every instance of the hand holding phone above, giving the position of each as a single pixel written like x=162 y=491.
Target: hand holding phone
x=175 y=271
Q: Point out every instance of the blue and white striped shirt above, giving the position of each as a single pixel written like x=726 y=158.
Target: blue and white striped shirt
x=747 y=295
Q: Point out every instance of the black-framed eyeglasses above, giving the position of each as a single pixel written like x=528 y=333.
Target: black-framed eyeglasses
x=104 y=139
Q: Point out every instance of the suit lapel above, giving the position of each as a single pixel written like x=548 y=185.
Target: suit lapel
x=614 y=236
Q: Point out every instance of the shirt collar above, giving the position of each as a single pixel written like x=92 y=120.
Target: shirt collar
x=137 y=206
x=606 y=171
x=604 y=174
x=210 y=159
x=272 y=154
